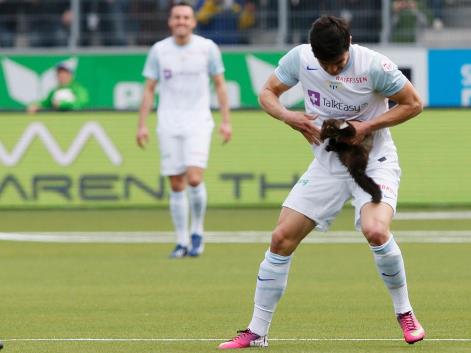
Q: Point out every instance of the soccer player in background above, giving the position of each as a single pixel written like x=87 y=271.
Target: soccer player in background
x=183 y=64
x=68 y=95
x=351 y=82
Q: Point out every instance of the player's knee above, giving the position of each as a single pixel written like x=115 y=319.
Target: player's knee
x=280 y=242
x=377 y=233
x=194 y=179
x=194 y=182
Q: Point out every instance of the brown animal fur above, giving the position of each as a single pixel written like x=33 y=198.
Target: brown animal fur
x=354 y=157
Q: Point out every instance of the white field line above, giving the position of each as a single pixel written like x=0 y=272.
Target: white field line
x=441 y=215
x=417 y=236
x=219 y=339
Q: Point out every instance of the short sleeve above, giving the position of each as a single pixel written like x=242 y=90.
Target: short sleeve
x=215 y=63
x=288 y=67
x=386 y=77
x=152 y=66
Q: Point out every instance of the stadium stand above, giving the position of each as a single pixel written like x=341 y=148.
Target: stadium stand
x=77 y=23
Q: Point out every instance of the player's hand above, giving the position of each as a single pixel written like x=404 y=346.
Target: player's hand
x=225 y=130
x=304 y=123
x=142 y=136
x=361 y=131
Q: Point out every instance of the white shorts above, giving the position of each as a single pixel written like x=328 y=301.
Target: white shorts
x=178 y=152
x=320 y=196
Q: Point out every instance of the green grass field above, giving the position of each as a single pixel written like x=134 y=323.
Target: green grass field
x=130 y=298
x=55 y=291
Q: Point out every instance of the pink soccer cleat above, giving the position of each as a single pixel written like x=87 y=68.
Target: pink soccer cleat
x=245 y=339
x=413 y=331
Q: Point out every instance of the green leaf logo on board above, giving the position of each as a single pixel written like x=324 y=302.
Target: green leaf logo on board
x=26 y=86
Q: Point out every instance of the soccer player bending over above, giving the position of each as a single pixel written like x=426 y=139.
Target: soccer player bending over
x=183 y=64
x=340 y=80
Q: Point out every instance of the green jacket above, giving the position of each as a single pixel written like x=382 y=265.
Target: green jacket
x=70 y=97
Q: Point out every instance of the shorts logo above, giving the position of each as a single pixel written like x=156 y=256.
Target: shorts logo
x=387 y=189
x=303 y=182
x=315 y=97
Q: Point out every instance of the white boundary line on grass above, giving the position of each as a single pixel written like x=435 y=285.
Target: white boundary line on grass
x=432 y=215
x=417 y=236
x=217 y=339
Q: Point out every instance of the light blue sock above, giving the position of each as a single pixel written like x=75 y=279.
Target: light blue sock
x=271 y=284
x=390 y=265
x=179 y=211
x=198 y=200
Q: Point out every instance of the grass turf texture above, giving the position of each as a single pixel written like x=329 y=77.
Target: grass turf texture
x=134 y=291
x=159 y=220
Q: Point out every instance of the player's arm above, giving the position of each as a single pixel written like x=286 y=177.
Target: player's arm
x=408 y=106
x=142 y=136
x=225 y=128
x=269 y=100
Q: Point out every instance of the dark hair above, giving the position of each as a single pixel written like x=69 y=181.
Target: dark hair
x=180 y=3
x=329 y=37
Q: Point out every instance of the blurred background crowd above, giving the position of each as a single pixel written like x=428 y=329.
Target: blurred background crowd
x=82 y=23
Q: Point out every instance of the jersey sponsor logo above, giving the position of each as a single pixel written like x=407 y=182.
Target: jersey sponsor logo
x=352 y=80
x=315 y=97
x=334 y=104
x=167 y=74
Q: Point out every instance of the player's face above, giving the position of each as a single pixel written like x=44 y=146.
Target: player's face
x=182 y=21
x=64 y=77
x=336 y=66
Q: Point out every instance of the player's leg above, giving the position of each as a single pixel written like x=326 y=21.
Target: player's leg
x=179 y=211
x=198 y=203
x=313 y=202
x=171 y=165
x=272 y=278
x=375 y=220
x=196 y=153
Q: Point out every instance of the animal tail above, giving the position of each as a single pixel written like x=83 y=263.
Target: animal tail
x=367 y=184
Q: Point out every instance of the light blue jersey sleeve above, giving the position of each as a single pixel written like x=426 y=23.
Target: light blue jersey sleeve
x=386 y=77
x=152 y=66
x=216 y=65
x=288 y=67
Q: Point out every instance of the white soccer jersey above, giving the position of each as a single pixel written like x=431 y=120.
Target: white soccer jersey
x=183 y=74
x=358 y=92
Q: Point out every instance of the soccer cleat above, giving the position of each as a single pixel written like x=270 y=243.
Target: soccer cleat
x=245 y=339
x=1 y=344
x=197 y=245
x=413 y=331
x=179 y=252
